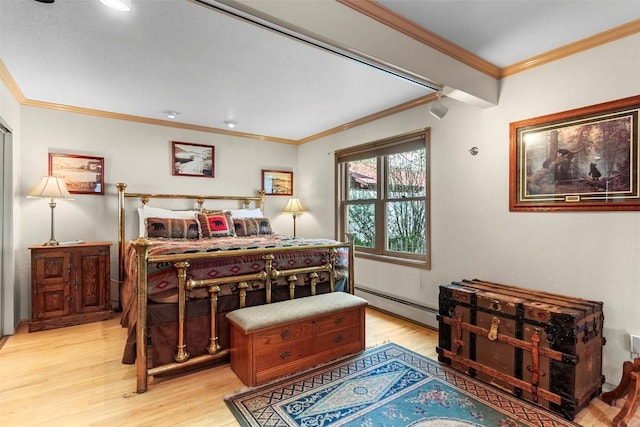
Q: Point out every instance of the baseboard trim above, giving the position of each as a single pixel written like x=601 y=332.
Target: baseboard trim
x=408 y=310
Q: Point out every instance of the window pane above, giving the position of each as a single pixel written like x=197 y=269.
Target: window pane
x=362 y=179
x=405 y=227
x=361 y=222
x=406 y=174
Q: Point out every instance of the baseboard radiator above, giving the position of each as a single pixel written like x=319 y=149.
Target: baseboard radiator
x=409 y=310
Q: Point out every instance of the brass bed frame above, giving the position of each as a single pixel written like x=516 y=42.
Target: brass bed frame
x=181 y=263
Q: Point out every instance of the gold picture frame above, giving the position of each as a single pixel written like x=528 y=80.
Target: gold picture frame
x=277 y=183
x=579 y=160
x=81 y=174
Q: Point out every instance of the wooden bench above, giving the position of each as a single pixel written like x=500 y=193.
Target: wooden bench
x=272 y=340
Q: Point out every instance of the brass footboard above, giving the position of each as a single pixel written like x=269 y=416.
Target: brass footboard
x=182 y=262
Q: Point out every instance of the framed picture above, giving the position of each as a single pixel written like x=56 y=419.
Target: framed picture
x=579 y=160
x=81 y=174
x=192 y=159
x=277 y=183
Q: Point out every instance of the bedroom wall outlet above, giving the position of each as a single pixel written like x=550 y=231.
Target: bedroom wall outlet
x=635 y=344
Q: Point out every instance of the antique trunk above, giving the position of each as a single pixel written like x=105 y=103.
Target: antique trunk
x=542 y=347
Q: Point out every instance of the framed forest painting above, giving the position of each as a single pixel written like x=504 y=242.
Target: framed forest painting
x=583 y=159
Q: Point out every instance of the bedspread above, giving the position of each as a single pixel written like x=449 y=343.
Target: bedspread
x=162 y=279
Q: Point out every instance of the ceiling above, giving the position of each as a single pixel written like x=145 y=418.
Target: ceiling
x=185 y=56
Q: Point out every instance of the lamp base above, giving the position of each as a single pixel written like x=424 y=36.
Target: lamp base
x=51 y=242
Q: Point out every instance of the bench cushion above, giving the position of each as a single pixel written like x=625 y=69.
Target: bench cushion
x=263 y=316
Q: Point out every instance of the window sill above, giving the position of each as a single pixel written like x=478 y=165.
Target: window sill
x=423 y=264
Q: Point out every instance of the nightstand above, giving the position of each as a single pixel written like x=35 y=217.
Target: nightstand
x=70 y=285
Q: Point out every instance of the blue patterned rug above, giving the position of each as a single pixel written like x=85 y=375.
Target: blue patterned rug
x=382 y=387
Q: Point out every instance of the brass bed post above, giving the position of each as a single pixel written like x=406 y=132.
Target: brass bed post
x=214 y=339
x=141 y=246
x=332 y=270
x=121 y=186
x=313 y=277
x=292 y=286
x=262 y=197
x=268 y=267
x=181 y=354
x=242 y=291
x=351 y=268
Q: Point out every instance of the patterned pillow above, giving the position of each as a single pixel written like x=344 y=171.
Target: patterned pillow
x=251 y=226
x=216 y=224
x=172 y=228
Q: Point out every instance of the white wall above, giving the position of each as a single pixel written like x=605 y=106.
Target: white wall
x=592 y=255
x=138 y=155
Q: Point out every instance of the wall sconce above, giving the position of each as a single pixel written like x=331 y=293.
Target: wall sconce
x=231 y=123
x=437 y=108
x=294 y=208
x=51 y=187
x=171 y=114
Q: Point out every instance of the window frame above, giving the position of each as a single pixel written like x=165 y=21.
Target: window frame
x=380 y=150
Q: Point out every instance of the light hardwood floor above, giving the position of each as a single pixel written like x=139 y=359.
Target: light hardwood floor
x=73 y=377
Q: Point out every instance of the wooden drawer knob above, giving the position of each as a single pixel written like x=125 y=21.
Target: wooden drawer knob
x=285 y=334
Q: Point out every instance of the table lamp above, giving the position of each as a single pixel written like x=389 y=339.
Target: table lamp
x=51 y=187
x=294 y=207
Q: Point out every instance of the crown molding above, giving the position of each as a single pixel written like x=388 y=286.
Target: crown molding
x=9 y=81
x=146 y=120
x=405 y=26
x=372 y=117
x=400 y=23
x=587 y=43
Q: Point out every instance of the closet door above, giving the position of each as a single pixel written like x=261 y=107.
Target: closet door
x=2 y=219
x=8 y=314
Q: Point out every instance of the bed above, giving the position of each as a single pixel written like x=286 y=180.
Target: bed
x=190 y=267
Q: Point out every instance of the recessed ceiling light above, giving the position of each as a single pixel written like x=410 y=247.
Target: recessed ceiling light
x=231 y=123
x=172 y=114
x=121 y=5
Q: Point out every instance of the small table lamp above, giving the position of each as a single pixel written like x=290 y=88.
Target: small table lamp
x=53 y=188
x=294 y=207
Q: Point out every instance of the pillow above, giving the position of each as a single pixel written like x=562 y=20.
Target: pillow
x=246 y=213
x=146 y=212
x=251 y=226
x=172 y=228
x=216 y=224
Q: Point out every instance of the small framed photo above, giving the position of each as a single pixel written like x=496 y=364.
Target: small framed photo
x=579 y=160
x=277 y=183
x=192 y=159
x=81 y=174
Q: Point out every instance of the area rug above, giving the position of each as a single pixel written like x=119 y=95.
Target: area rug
x=382 y=387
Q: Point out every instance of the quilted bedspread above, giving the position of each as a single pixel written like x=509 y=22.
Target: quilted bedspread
x=162 y=279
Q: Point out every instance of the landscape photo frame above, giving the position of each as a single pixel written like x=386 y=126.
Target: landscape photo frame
x=81 y=174
x=190 y=159
x=579 y=160
x=277 y=183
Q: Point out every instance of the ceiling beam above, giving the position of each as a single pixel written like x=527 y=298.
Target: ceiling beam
x=331 y=23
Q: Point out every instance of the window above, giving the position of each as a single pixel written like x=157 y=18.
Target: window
x=383 y=198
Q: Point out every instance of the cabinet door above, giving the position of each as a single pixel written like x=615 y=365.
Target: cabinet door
x=50 y=275
x=90 y=282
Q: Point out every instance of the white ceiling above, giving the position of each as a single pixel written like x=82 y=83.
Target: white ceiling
x=180 y=55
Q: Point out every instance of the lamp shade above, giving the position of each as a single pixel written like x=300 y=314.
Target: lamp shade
x=293 y=207
x=50 y=187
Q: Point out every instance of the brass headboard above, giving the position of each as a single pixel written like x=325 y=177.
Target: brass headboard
x=258 y=202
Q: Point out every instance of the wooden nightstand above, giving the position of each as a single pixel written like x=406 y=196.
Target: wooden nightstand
x=70 y=285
